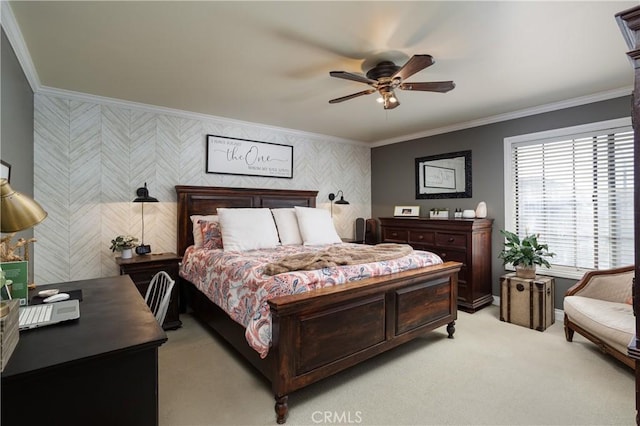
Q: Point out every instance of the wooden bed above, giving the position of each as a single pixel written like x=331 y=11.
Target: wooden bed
x=310 y=339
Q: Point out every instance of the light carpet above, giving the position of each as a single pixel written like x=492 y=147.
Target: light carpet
x=492 y=373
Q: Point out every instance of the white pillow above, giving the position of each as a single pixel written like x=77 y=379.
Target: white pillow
x=287 y=224
x=247 y=229
x=197 y=232
x=316 y=226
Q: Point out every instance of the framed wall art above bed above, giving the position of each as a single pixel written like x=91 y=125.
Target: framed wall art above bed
x=233 y=156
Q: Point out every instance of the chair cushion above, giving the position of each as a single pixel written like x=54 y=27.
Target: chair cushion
x=612 y=322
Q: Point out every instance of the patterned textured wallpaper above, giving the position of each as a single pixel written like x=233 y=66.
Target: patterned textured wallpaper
x=89 y=158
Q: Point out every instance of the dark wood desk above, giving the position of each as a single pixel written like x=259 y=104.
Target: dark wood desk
x=101 y=369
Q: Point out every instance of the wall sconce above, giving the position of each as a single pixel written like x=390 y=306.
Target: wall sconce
x=333 y=196
x=143 y=197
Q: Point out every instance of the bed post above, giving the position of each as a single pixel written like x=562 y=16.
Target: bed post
x=451 y=328
x=282 y=409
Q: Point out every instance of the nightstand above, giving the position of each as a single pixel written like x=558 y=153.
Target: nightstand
x=142 y=268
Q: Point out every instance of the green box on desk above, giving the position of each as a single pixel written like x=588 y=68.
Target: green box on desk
x=17 y=273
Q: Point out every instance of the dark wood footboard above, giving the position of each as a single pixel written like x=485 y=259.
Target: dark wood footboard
x=315 y=336
x=320 y=333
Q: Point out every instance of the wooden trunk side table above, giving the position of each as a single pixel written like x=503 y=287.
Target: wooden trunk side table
x=527 y=302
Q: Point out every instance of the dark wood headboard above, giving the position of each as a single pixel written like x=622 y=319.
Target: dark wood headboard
x=205 y=200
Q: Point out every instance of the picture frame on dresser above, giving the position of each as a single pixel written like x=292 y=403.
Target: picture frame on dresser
x=407 y=211
x=444 y=176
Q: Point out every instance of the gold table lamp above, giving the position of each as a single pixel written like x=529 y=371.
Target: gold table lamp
x=18 y=212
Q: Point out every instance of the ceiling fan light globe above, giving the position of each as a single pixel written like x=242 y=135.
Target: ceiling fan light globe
x=379 y=100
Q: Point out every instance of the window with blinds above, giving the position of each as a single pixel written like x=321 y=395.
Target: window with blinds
x=574 y=187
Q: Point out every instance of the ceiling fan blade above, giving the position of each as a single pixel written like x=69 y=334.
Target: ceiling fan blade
x=355 y=95
x=351 y=76
x=432 y=86
x=414 y=64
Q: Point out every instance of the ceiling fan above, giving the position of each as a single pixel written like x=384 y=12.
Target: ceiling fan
x=387 y=76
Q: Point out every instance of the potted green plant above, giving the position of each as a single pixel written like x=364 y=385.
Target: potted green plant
x=524 y=254
x=124 y=244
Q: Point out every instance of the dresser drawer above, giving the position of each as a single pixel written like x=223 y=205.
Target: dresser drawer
x=144 y=275
x=447 y=239
x=451 y=255
x=421 y=237
x=454 y=256
x=141 y=278
x=392 y=235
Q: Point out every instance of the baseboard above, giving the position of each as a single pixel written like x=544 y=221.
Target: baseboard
x=559 y=313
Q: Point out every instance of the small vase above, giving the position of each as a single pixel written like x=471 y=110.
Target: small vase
x=126 y=253
x=526 y=272
x=481 y=210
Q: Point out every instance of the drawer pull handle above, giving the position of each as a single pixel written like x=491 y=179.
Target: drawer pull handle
x=451 y=239
x=394 y=234
x=443 y=255
x=421 y=237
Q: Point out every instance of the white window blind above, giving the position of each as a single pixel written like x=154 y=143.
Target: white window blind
x=574 y=187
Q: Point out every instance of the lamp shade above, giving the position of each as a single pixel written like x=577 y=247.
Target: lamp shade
x=342 y=200
x=18 y=211
x=333 y=196
x=143 y=195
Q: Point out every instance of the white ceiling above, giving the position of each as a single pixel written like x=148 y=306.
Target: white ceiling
x=269 y=62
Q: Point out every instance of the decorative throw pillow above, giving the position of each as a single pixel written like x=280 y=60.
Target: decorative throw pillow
x=247 y=229
x=195 y=225
x=287 y=224
x=211 y=235
x=316 y=226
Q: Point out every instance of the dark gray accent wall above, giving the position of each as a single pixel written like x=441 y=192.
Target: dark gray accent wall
x=16 y=129
x=16 y=142
x=393 y=168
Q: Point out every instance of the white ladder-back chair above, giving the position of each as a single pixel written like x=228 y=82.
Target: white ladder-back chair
x=158 y=295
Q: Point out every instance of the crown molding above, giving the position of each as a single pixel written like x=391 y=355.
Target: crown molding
x=12 y=30
x=85 y=97
x=582 y=100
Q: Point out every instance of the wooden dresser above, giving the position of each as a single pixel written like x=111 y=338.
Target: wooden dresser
x=461 y=240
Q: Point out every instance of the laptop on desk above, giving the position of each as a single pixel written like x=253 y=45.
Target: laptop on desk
x=34 y=316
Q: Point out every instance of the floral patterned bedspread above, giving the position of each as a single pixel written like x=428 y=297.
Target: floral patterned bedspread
x=235 y=281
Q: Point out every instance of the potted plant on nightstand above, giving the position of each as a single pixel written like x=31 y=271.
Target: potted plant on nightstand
x=524 y=254
x=124 y=244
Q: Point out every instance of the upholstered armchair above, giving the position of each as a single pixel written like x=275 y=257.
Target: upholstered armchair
x=599 y=307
